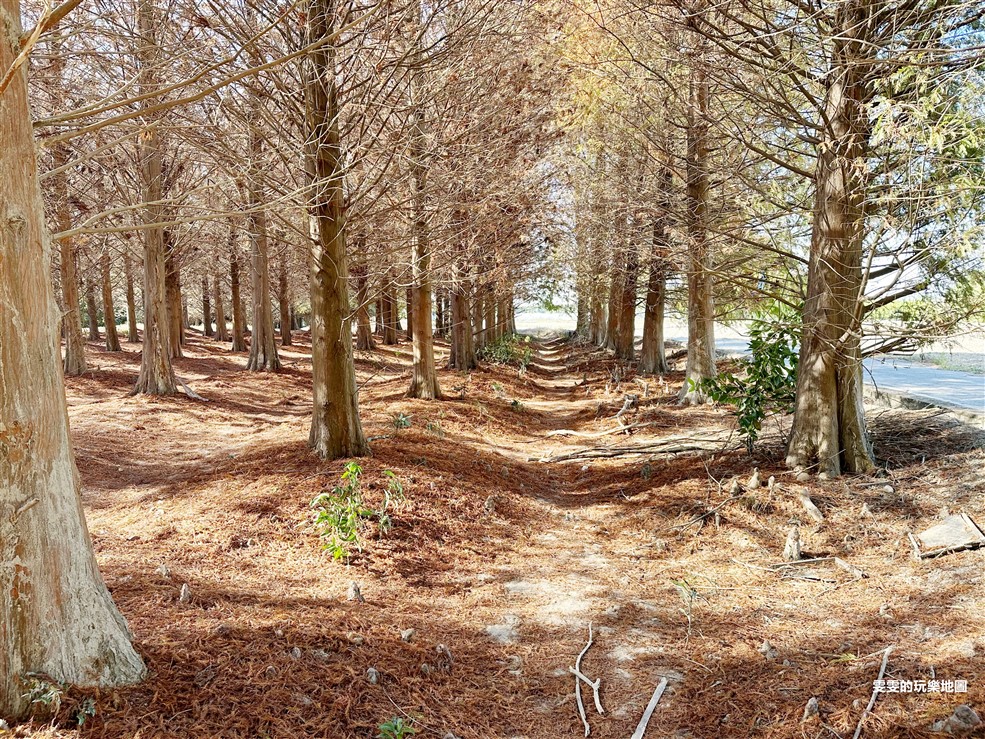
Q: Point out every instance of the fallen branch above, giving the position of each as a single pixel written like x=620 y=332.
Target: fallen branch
x=188 y=391
x=593 y=685
x=578 y=700
x=597 y=434
x=812 y=510
x=704 y=515
x=718 y=443
x=875 y=693
x=651 y=706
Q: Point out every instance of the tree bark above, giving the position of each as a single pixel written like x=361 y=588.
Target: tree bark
x=653 y=359
x=626 y=337
x=364 y=328
x=239 y=316
x=92 y=312
x=335 y=427
x=284 y=304
x=109 y=312
x=221 y=333
x=57 y=618
x=263 y=347
x=613 y=312
x=409 y=303
x=206 y=308
x=156 y=373
x=700 y=283
x=389 y=312
x=172 y=292
x=133 y=335
x=75 y=359
x=424 y=377
x=478 y=313
x=462 y=346
x=829 y=420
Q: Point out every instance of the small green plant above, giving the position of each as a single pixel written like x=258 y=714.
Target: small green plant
x=516 y=405
x=341 y=515
x=767 y=380
x=400 y=421
x=396 y=728
x=498 y=389
x=45 y=696
x=434 y=427
x=511 y=349
x=87 y=710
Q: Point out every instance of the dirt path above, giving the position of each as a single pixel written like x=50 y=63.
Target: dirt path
x=504 y=560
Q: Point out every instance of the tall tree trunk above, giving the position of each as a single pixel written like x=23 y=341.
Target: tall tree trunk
x=156 y=373
x=206 y=308
x=829 y=420
x=489 y=303
x=220 y=311
x=653 y=359
x=239 y=315
x=92 y=312
x=364 y=328
x=626 y=338
x=335 y=427
x=284 y=304
x=378 y=316
x=478 y=313
x=700 y=284
x=613 y=312
x=75 y=358
x=424 y=377
x=133 y=335
x=409 y=304
x=172 y=292
x=462 y=346
x=109 y=312
x=57 y=618
x=439 y=316
x=263 y=347
x=389 y=312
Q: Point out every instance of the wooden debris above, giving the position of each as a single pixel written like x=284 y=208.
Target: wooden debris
x=954 y=534
x=593 y=685
x=651 y=706
x=812 y=510
x=718 y=442
x=875 y=693
x=577 y=668
x=753 y=483
x=791 y=550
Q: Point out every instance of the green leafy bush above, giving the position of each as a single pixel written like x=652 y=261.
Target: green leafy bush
x=341 y=515
x=767 y=380
x=511 y=349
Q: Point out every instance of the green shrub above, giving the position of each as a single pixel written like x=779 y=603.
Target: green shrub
x=341 y=515
x=511 y=349
x=396 y=728
x=767 y=380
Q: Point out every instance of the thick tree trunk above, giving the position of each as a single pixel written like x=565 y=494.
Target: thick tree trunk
x=409 y=303
x=57 y=618
x=364 y=328
x=206 y=308
x=109 y=312
x=284 y=304
x=378 y=317
x=221 y=334
x=335 y=427
x=829 y=420
x=92 y=312
x=263 y=346
x=156 y=373
x=439 y=316
x=478 y=313
x=700 y=284
x=239 y=315
x=424 y=377
x=75 y=359
x=462 y=347
x=613 y=311
x=172 y=291
x=133 y=335
x=389 y=312
x=625 y=340
x=653 y=359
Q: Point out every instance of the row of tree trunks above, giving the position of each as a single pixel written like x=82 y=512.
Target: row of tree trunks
x=221 y=331
x=109 y=312
x=284 y=305
x=239 y=317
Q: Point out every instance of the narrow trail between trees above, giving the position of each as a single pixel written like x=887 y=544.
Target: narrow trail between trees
x=503 y=560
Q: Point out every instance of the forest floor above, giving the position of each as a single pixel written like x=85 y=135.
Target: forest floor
x=506 y=559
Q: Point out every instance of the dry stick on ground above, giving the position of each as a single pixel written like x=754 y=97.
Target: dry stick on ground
x=718 y=443
x=594 y=685
x=597 y=434
x=577 y=668
x=188 y=391
x=875 y=693
x=651 y=706
x=704 y=515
